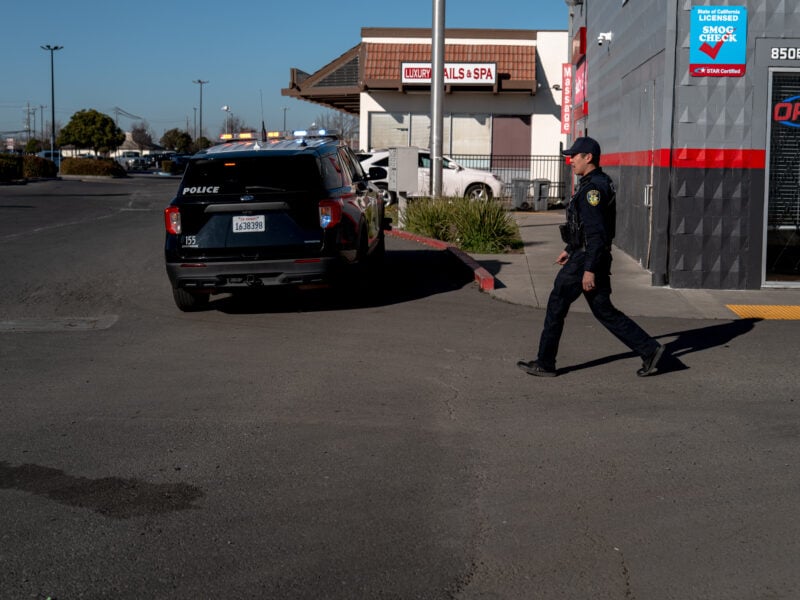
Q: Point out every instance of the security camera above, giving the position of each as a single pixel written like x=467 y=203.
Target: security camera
x=604 y=37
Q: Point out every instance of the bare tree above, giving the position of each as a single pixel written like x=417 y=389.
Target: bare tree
x=141 y=136
x=234 y=124
x=345 y=124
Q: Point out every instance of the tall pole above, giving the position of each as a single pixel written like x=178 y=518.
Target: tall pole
x=52 y=49
x=227 y=109
x=284 y=117
x=41 y=121
x=437 y=97
x=201 y=83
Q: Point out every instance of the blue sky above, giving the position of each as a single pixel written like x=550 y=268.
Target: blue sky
x=142 y=56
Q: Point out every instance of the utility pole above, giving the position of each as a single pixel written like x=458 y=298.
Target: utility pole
x=52 y=49
x=437 y=97
x=41 y=120
x=201 y=83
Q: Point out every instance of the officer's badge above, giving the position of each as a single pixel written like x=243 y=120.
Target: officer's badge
x=593 y=197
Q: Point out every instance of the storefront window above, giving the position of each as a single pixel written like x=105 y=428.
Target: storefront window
x=461 y=134
x=783 y=209
x=387 y=130
x=472 y=134
x=421 y=131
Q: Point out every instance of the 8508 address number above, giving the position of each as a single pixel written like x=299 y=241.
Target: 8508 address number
x=785 y=53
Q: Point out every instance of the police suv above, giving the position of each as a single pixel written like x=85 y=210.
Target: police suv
x=280 y=211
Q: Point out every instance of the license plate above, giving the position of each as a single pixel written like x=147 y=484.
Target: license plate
x=248 y=223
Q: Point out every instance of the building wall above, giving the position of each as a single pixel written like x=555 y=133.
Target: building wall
x=661 y=127
x=544 y=107
x=551 y=53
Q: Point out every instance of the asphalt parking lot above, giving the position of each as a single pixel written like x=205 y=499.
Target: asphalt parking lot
x=379 y=443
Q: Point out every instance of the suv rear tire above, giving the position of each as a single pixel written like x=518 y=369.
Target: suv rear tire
x=188 y=301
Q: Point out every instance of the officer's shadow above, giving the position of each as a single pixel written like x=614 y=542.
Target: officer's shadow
x=685 y=342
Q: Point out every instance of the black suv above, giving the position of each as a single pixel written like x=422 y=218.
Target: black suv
x=270 y=213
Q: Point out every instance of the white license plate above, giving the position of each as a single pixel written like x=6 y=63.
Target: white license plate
x=248 y=223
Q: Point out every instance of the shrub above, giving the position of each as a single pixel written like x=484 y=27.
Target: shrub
x=483 y=227
x=90 y=166
x=430 y=217
x=34 y=167
x=10 y=167
x=171 y=167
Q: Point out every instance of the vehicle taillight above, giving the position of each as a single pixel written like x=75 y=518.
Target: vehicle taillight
x=172 y=220
x=330 y=213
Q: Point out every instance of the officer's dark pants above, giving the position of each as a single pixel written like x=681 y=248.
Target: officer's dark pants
x=567 y=288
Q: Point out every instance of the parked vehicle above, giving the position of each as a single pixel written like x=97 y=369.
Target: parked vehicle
x=137 y=163
x=456 y=179
x=253 y=214
x=54 y=155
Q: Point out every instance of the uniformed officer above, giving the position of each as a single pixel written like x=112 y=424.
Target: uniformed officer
x=586 y=267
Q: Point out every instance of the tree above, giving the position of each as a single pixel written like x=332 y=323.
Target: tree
x=33 y=146
x=91 y=129
x=177 y=140
x=345 y=124
x=201 y=143
x=234 y=124
x=140 y=135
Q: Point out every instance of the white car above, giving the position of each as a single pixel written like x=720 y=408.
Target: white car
x=457 y=181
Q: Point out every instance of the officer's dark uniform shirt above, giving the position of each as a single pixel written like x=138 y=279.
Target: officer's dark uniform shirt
x=593 y=210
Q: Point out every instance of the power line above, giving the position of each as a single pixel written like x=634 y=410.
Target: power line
x=120 y=111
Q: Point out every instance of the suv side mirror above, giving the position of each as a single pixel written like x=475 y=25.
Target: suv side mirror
x=377 y=173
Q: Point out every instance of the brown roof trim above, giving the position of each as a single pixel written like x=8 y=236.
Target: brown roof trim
x=332 y=66
x=478 y=34
x=527 y=85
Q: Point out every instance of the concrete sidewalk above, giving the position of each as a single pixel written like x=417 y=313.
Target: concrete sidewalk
x=528 y=278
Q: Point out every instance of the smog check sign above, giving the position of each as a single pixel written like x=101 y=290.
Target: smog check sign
x=718 y=44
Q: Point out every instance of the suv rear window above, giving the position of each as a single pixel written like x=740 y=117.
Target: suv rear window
x=254 y=174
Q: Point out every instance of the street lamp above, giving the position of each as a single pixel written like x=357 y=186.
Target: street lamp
x=285 y=108
x=52 y=49
x=201 y=83
x=228 y=123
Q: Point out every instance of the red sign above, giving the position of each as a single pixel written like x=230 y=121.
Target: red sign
x=454 y=73
x=580 y=83
x=566 y=98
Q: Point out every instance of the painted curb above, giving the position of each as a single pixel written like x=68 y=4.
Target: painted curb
x=484 y=279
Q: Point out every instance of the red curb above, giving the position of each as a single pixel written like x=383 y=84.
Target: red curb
x=484 y=279
x=418 y=238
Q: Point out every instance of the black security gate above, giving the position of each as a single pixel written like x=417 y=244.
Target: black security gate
x=510 y=168
x=783 y=204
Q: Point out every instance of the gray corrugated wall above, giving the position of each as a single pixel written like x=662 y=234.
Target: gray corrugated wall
x=707 y=223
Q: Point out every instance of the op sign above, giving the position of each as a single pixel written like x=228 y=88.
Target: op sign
x=718 y=44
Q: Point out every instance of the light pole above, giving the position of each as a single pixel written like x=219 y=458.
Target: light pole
x=227 y=109
x=201 y=83
x=52 y=49
x=284 y=117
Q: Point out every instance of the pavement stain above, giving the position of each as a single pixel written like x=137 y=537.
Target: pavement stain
x=112 y=497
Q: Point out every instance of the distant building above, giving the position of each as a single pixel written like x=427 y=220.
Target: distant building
x=499 y=96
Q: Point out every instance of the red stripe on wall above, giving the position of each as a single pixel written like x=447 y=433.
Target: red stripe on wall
x=689 y=158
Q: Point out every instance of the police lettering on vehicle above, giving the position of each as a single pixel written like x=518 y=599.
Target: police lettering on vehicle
x=202 y=189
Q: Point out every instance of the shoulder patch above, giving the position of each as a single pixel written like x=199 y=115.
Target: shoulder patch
x=593 y=197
